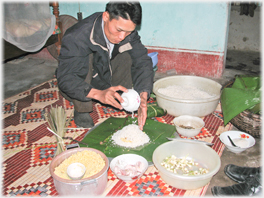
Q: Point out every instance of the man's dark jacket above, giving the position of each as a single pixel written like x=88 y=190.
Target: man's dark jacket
x=86 y=37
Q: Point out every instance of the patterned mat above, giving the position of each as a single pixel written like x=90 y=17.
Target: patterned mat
x=28 y=147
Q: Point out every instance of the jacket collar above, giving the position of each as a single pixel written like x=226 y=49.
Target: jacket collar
x=97 y=35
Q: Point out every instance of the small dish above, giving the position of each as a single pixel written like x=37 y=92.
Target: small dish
x=188 y=126
x=129 y=167
x=76 y=170
x=241 y=139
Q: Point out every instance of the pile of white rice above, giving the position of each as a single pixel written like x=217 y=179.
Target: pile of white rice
x=184 y=92
x=93 y=162
x=130 y=136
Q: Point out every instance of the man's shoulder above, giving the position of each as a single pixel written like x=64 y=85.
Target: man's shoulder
x=84 y=25
x=88 y=21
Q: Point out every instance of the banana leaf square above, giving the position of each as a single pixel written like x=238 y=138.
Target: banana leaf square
x=100 y=137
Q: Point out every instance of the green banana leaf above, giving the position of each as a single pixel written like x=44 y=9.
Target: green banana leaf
x=155 y=111
x=152 y=95
x=245 y=94
x=100 y=137
x=247 y=82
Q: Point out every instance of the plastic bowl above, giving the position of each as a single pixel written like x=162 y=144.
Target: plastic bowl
x=200 y=153
x=244 y=140
x=154 y=57
x=188 y=126
x=122 y=161
x=193 y=107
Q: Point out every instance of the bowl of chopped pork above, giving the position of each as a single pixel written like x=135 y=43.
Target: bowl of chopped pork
x=187 y=95
x=186 y=165
x=129 y=167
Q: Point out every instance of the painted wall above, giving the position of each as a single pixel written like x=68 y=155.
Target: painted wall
x=190 y=37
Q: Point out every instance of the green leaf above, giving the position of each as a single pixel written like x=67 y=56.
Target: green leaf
x=155 y=111
x=243 y=95
x=152 y=95
x=247 y=82
x=100 y=137
x=255 y=109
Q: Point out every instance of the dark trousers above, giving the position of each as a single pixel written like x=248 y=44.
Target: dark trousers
x=121 y=75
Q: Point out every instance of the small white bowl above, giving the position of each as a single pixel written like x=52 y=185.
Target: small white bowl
x=244 y=140
x=76 y=170
x=188 y=126
x=131 y=100
x=121 y=162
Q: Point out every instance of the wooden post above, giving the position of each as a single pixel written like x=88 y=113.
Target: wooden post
x=56 y=12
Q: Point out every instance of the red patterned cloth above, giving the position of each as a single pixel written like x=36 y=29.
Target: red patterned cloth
x=28 y=147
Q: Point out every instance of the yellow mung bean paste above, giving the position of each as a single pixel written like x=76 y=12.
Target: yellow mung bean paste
x=93 y=162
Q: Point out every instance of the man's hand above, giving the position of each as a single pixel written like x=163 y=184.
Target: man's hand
x=108 y=96
x=142 y=110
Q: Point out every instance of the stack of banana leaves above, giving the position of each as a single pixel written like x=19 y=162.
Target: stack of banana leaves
x=244 y=94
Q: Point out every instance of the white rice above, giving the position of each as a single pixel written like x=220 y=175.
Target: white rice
x=130 y=136
x=184 y=92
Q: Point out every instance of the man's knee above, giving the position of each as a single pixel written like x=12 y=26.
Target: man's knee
x=79 y=106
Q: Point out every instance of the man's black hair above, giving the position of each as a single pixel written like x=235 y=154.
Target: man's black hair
x=127 y=10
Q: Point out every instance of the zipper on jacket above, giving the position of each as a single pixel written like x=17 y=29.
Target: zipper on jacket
x=110 y=68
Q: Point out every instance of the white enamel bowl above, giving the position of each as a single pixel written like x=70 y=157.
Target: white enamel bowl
x=244 y=140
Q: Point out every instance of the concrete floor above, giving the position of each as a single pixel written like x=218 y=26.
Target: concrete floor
x=27 y=72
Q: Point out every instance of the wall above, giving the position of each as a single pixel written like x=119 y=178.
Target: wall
x=244 y=30
x=190 y=37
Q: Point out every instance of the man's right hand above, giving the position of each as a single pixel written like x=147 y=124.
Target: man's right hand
x=108 y=96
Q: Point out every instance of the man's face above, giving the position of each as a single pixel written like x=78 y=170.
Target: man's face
x=117 y=30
